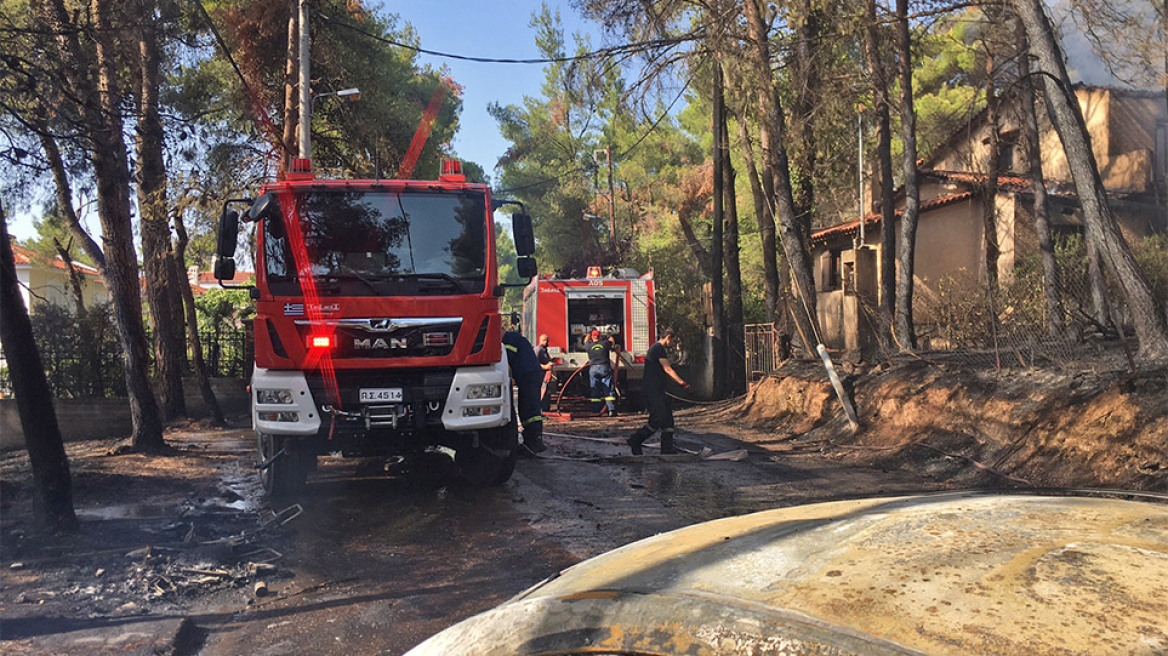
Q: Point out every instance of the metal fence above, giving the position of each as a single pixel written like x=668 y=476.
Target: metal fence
x=227 y=354
x=82 y=357
x=765 y=350
x=965 y=321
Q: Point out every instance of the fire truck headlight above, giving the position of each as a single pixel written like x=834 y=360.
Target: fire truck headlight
x=481 y=410
x=291 y=417
x=484 y=391
x=274 y=396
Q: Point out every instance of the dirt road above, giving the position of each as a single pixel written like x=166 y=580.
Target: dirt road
x=390 y=562
x=377 y=562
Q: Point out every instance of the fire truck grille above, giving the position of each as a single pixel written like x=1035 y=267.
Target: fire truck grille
x=359 y=339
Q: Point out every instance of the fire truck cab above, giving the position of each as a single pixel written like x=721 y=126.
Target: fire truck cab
x=377 y=328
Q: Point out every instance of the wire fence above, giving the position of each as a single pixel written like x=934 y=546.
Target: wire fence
x=82 y=355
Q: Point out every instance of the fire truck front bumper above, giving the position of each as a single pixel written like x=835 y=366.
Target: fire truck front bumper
x=282 y=403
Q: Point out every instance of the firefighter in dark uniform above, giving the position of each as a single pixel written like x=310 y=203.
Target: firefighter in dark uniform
x=657 y=372
x=528 y=377
x=600 y=374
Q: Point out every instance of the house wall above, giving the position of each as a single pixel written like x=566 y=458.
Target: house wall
x=22 y=274
x=1122 y=128
x=53 y=286
x=949 y=240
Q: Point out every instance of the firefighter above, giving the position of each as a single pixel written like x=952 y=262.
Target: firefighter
x=528 y=375
x=657 y=368
x=545 y=363
x=600 y=374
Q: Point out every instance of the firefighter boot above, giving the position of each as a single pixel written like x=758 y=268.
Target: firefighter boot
x=667 y=442
x=533 y=437
x=636 y=439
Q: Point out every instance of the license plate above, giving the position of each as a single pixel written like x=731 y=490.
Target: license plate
x=381 y=395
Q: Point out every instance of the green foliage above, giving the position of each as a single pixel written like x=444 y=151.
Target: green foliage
x=948 y=78
x=1151 y=255
x=223 y=309
x=505 y=248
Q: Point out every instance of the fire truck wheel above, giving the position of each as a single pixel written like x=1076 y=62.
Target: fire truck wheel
x=493 y=461
x=287 y=473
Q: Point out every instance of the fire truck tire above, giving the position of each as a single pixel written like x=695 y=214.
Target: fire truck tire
x=493 y=460
x=287 y=473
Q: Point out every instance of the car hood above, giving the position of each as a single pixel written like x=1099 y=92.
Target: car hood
x=941 y=574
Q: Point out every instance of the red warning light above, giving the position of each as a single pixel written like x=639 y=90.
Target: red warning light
x=451 y=171
x=321 y=341
x=594 y=272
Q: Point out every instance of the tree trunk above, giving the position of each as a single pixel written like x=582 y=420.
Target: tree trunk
x=884 y=162
x=192 y=323
x=1102 y=229
x=766 y=225
x=802 y=130
x=74 y=276
x=65 y=201
x=53 y=503
x=717 y=297
x=1100 y=306
x=989 y=210
x=906 y=250
x=735 y=323
x=1050 y=273
x=103 y=125
x=154 y=225
x=91 y=348
x=795 y=247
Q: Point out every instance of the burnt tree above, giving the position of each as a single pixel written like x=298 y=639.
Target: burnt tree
x=34 y=400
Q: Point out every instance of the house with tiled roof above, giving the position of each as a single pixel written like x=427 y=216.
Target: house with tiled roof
x=44 y=280
x=1129 y=137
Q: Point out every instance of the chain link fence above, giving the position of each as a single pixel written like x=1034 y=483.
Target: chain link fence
x=961 y=320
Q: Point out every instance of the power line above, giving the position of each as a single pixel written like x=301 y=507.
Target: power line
x=622 y=49
x=261 y=115
x=621 y=155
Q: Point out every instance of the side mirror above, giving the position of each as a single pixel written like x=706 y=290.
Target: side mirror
x=526 y=267
x=228 y=234
x=224 y=267
x=524 y=236
x=263 y=207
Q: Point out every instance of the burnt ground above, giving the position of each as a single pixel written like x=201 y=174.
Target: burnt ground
x=367 y=560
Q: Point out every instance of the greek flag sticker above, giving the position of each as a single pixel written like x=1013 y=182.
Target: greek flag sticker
x=293 y=309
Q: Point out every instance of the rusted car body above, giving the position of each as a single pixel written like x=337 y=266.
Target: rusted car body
x=957 y=573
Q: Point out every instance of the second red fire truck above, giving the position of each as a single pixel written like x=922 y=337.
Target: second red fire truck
x=619 y=303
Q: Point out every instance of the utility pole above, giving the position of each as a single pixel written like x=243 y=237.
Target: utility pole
x=611 y=202
x=305 y=86
x=860 y=169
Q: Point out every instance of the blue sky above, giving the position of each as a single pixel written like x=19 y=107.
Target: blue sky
x=495 y=28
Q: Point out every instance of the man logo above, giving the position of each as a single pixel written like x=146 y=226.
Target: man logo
x=380 y=343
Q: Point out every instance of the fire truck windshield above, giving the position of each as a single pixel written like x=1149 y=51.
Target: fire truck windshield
x=374 y=242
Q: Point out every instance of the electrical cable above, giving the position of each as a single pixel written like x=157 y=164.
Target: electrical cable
x=261 y=117
x=595 y=54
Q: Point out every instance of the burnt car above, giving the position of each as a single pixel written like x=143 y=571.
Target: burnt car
x=955 y=573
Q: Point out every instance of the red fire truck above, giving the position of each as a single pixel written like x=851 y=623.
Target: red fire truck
x=377 y=328
x=619 y=304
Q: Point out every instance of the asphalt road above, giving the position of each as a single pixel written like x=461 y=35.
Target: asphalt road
x=381 y=562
